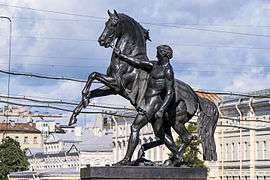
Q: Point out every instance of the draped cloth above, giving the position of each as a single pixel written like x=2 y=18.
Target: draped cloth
x=137 y=93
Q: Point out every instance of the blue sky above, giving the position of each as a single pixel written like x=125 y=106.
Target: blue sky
x=204 y=59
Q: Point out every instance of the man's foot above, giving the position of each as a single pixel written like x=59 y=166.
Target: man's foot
x=123 y=162
x=141 y=153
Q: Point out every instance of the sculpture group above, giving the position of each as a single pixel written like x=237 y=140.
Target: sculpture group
x=150 y=87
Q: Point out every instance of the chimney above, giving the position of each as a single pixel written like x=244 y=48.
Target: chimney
x=12 y=123
x=78 y=131
x=29 y=119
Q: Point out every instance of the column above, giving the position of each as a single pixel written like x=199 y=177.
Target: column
x=252 y=142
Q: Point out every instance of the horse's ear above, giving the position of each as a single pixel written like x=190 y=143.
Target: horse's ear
x=115 y=13
x=109 y=13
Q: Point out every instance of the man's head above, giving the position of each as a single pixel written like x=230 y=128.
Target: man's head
x=164 y=51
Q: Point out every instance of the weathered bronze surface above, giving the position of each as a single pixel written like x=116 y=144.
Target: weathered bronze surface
x=150 y=87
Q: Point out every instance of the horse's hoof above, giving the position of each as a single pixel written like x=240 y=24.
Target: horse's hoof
x=177 y=163
x=72 y=120
x=168 y=163
x=123 y=162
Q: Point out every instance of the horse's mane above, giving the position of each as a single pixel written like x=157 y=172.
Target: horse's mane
x=143 y=30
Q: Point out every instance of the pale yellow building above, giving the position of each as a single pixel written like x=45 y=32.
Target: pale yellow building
x=26 y=134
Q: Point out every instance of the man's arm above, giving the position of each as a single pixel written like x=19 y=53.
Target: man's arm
x=144 y=65
x=169 y=77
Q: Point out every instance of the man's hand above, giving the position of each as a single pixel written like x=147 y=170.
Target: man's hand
x=117 y=51
x=159 y=114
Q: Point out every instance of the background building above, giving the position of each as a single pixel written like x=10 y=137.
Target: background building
x=74 y=149
x=55 y=174
x=243 y=138
x=26 y=134
x=121 y=130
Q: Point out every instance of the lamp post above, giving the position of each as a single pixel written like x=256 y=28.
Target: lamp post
x=9 y=51
x=9 y=59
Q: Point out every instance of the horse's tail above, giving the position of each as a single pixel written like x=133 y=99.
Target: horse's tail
x=207 y=121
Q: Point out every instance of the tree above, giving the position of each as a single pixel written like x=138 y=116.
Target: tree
x=191 y=154
x=12 y=158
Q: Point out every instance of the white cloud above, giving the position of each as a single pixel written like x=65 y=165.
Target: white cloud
x=216 y=12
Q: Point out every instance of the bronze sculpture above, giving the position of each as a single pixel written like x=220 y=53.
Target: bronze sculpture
x=129 y=76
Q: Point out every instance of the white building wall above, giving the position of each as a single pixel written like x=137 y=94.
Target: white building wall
x=120 y=140
x=73 y=160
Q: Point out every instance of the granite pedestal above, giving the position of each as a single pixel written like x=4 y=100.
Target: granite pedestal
x=146 y=173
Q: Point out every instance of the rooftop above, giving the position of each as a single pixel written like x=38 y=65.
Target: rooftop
x=86 y=141
x=210 y=96
x=48 y=173
x=19 y=127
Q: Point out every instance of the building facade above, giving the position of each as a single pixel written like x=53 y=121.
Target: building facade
x=121 y=131
x=243 y=138
x=75 y=149
x=26 y=134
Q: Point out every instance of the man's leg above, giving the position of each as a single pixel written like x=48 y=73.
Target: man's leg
x=139 y=122
x=186 y=136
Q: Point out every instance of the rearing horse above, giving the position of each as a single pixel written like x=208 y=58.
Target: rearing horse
x=131 y=40
x=130 y=83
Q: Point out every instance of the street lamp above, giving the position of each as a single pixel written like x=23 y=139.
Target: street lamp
x=9 y=60
x=9 y=51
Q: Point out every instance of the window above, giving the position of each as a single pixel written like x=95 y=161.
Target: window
x=35 y=140
x=257 y=150
x=233 y=152
x=226 y=151
x=25 y=141
x=237 y=156
x=245 y=151
x=220 y=150
x=264 y=150
x=17 y=138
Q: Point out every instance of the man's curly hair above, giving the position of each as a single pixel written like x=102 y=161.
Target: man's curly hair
x=165 y=51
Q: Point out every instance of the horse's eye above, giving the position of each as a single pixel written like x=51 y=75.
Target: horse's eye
x=114 y=22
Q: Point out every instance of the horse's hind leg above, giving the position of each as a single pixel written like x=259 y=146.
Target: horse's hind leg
x=179 y=127
x=147 y=146
x=163 y=133
x=161 y=140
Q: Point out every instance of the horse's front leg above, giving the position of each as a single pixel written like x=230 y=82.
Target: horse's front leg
x=94 y=93
x=88 y=83
x=104 y=79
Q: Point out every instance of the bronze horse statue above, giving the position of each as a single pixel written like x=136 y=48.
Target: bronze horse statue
x=130 y=83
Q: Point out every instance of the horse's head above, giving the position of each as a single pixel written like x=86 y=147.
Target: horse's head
x=111 y=30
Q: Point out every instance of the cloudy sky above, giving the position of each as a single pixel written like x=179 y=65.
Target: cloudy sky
x=220 y=45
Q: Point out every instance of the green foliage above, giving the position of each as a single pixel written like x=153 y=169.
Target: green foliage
x=192 y=152
x=12 y=158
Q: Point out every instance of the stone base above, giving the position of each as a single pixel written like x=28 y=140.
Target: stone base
x=145 y=173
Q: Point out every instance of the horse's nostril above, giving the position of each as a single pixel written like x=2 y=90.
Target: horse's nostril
x=100 y=39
